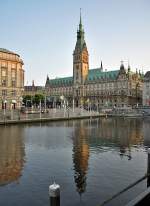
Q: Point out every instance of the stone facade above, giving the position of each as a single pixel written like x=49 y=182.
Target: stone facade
x=95 y=87
x=146 y=89
x=11 y=80
x=33 y=90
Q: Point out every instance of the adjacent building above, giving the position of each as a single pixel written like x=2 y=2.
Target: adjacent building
x=146 y=89
x=11 y=79
x=32 y=90
x=97 y=86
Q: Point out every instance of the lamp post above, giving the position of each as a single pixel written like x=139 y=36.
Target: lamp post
x=28 y=100
x=55 y=105
x=97 y=106
x=61 y=99
x=88 y=104
x=67 y=107
x=73 y=105
x=5 y=102
x=12 y=111
x=20 y=104
x=64 y=107
x=81 y=107
x=45 y=103
x=31 y=104
x=40 y=108
x=63 y=103
x=90 y=108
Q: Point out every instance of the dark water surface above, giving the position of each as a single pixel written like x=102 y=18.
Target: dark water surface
x=90 y=159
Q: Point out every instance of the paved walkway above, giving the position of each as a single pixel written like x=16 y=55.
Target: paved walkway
x=14 y=117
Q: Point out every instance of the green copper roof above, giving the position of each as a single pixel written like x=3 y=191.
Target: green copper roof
x=94 y=75
x=66 y=81
x=98 y=74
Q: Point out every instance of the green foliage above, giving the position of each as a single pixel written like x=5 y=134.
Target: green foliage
x=26 y=98
x=29 y=100
x=37 y=97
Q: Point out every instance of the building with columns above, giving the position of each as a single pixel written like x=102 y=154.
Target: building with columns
x=11 y=79
x=120 y=87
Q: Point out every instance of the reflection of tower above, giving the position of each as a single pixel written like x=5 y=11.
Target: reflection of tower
x=80 y=158
x=11 y=155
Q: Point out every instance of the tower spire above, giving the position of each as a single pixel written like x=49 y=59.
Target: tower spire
x=80 y=35
x=80 y=24
x=80 y=17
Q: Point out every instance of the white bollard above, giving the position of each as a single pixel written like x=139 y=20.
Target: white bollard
x=54 y=194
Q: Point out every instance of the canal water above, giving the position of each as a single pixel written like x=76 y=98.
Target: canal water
x=90 y=159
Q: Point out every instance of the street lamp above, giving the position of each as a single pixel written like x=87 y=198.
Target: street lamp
x=20 y=104
x=5 y=102
x=81 y=106
x=40 y=108
x=45 y=103
x=73 y=104
x=64 y=107
x=62 y=99
x=97 y=107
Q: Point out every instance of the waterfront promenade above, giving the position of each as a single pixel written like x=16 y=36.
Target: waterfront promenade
x=15 y=116
x=55 y=114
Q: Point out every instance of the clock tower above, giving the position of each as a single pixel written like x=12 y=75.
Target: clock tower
x=80 y=58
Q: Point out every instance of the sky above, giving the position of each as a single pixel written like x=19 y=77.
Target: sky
x=43 y=33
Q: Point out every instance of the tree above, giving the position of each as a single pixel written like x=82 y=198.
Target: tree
x=27 y=100
x=37 y=98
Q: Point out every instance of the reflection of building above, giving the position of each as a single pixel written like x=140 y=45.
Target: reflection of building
x=96 y=86
x=11 y=155
x=97 y=136
x=80 y=158
x=146 y=89
x=146 y=131
x=32 y=90
x=11 y=79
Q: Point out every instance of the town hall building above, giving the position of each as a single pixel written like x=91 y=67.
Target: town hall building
x=97 y=86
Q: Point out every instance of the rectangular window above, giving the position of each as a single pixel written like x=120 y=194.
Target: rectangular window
x=13 y=77
x=13 y=83
x=13 y=65
x=13 y=93
x=4 y=92
x=3 y=73
x=13 y=74
x=3 y=63
x=4 y=82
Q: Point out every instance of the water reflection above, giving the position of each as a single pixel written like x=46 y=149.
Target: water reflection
x=103 y=135
x=100 y=150
x=116 y=134
x=12 y=154
x=80 y=157
x=146 y=132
